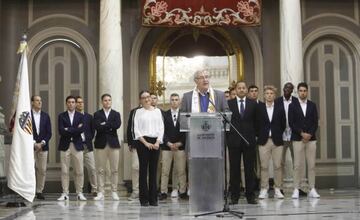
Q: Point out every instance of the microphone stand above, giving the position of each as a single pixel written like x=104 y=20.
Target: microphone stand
x=226 y=208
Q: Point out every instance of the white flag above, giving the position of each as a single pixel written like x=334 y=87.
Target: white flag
x=21 y=173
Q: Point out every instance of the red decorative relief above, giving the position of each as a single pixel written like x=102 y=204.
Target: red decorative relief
x=201 y=13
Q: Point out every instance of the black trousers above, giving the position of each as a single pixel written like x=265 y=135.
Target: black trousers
x=249 y=157
x=148 y=160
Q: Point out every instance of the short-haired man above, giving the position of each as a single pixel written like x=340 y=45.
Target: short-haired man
x=154 y=99
x=87 y=136
x=284 y=102
x=272 y=125
x=245 y=120
x=42 y=134
x=71 y=125
x=303 y=120
x=107 y=145
x=173 y=149
x=253 y=93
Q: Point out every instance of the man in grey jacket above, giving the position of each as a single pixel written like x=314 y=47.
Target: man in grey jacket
x=197 y=100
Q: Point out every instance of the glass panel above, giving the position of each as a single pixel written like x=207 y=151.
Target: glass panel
x=314 y=66
x=346 y=141
x=345 y=105
x=328 y=49
x=75 y=74
x=330 y=109
x=59 y=51
x=45 y=100
x=59 y=100
x=344 y=68
x=44 y=69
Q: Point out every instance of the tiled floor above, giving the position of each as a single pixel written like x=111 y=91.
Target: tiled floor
x=341 y=204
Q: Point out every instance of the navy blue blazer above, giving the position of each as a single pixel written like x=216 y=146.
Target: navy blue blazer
x=277 y=125
x=106 y=129
x=246 y=125
x=45 y=130
x=172 y=132
x=300 y=123
x=89 y=130
x=72 y=133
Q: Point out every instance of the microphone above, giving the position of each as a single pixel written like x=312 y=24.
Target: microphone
x=211 y=102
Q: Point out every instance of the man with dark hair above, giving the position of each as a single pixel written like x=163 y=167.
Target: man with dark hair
x=245 y=120
x=303 y=120
x=42 y=134
x=107 y=145
x=71 y=125
x=154 y=99
x=284 y=102
x=173 y=149
x=87 y=136
x=253 y=93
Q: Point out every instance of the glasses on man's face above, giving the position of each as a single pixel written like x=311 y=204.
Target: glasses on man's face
x=203 y=77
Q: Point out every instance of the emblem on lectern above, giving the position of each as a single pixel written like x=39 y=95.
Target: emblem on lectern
x=205 y=126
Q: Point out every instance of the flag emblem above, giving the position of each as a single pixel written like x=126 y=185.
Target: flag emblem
x=25 y=122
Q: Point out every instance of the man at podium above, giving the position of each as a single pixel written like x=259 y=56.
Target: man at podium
x=197 y=100
x=204 y=152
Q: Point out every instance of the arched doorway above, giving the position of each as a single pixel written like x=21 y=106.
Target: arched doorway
x=179 y=52
x=330 y=67
x=61 y=62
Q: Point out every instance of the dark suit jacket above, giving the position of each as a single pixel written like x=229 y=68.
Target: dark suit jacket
x=72 y=133
x=172 y=133
x=45 y=130
x=277 y=125
x=246 y=125
x=300 y=123
x=280 y=101
x=89 y=130
x=106 y=129
x=220 y=101
x=130 y=128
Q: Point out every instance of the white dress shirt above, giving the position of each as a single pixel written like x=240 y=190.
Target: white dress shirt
x=239 y=103
x=37 y=120
x=174 y=114
x=149 y=123
x=287 y=132
x=71 y=116
x=107 y=113
x=270 y=112
x=303 y=105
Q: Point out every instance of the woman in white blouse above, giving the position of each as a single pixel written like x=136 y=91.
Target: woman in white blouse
x=149 y=130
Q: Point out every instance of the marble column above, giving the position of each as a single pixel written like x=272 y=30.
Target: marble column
x=291 y=59
x=291 y=42
x=110 y=61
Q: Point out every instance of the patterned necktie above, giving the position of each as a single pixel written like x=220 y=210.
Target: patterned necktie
x=242 y=107
x=175 y=119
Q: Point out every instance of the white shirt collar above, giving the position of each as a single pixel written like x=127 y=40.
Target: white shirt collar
x=238 y=98
x=290 y=99
x=35 y=112
x=303 y=102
